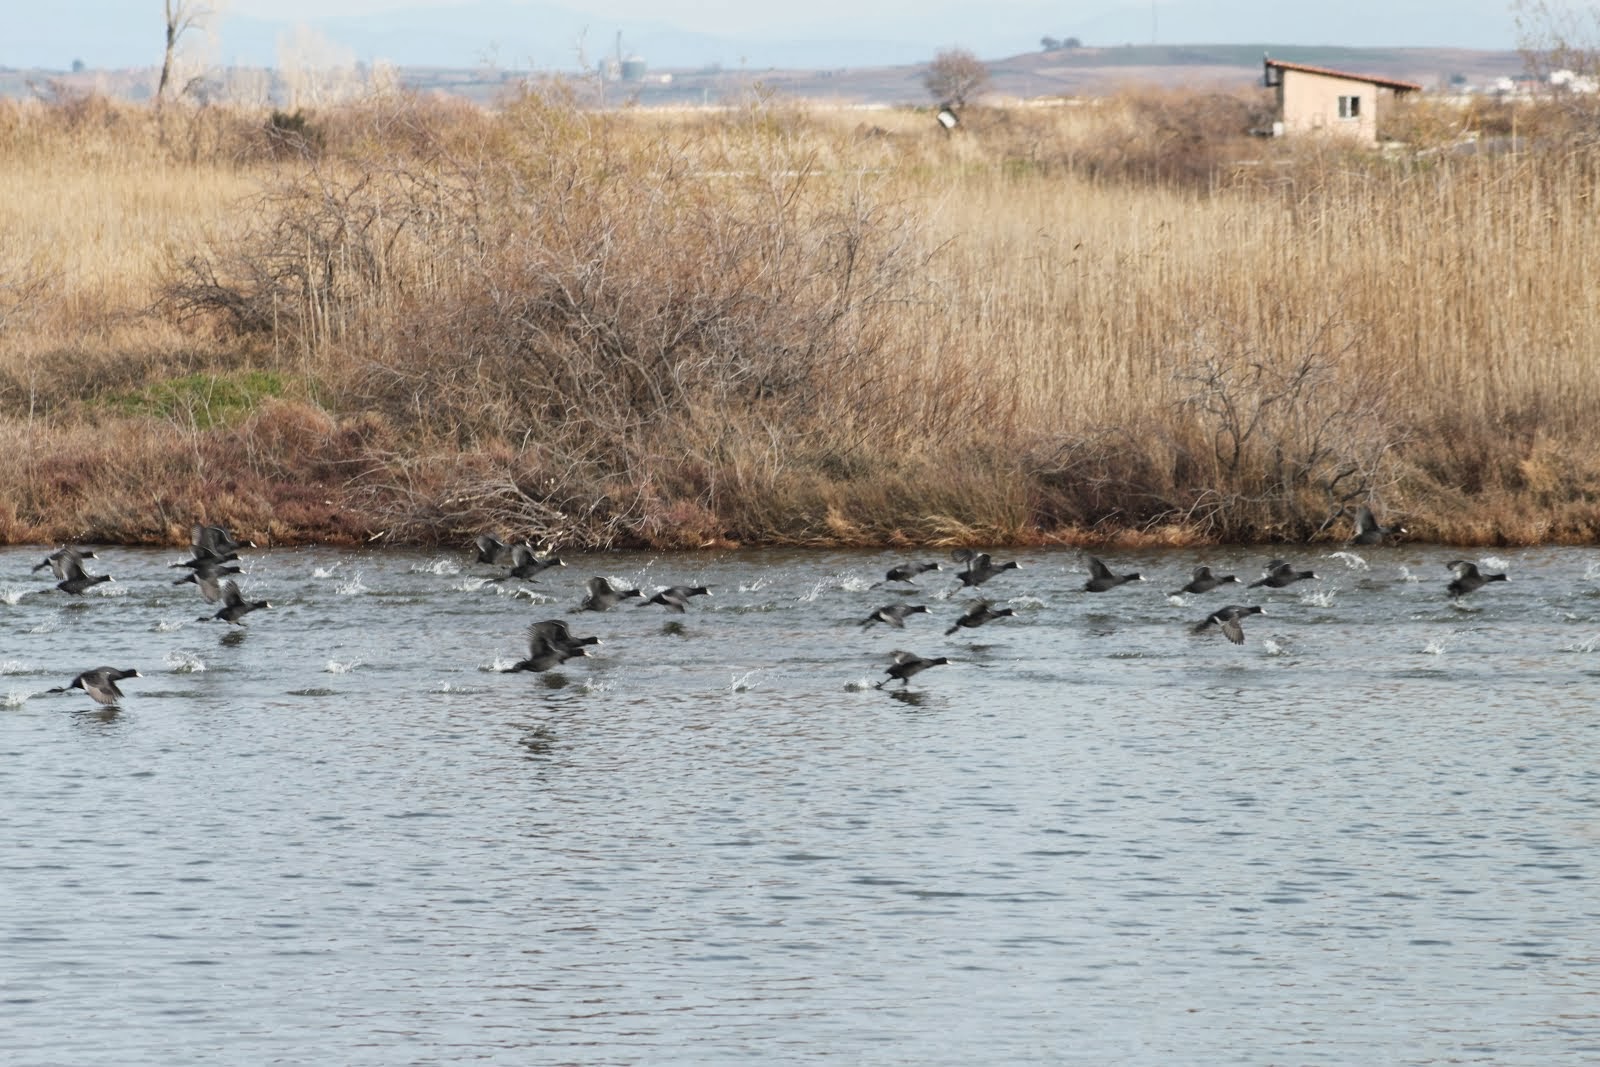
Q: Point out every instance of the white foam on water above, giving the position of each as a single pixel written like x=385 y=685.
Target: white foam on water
x=326 y=572
x=743 y=683
x=12 y=595
x=335 y=667
x=184 y=663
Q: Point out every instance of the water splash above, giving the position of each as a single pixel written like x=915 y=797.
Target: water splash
x=469 y=585
x=166 y=626
x=1272 y=646
x=350 y=586
x=591 y=685
x=1319 y=598
x=15 y=698
x=498 y=664
x=326 y=572
x=1494 y=563
x=184 y=663
x=1350 y=560
x=817 y=589
x=107 y=589
x=46 y=627
x=440 y=566
x=1588 y=644
x=335 y=667
x=12 y=595
x=860 y=685
x=1407 y=576
x=13 y=666
x=1591 y=570
x=854 y=583
x=742 y=683
x=1438 y=646
x=1025 y=601
x=755 y=586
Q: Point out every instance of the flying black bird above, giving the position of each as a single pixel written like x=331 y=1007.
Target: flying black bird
x=234 y=605
x=553 y=633
x=212 y=544
x=1367 y=530
x=206 y=577
x=1227 y=619
x=602 y=596
x=893 y=614
x=491 y=549
x=75 y=580
x=676 y=598
x=977 y=614
x=526 y=563
x=907 y=664
x=1204 y=581
x=58 y=560
x=980 y=568
x=1279 y=574
x=215 y=541
x=1101 y=578
x=906 y=572
x=100 y=684
x=550 y=646
x=1467 y=578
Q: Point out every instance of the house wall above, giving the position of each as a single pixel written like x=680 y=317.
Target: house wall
x=1310 y=103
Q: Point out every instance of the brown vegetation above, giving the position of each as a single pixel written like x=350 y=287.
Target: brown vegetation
x=414 y=319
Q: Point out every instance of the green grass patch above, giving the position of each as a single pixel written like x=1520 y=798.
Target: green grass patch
x=203 y=401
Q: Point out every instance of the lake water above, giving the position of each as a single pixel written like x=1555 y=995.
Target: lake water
x=341 y=836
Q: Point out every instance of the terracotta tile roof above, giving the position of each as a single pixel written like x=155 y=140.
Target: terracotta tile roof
x=1388 y=83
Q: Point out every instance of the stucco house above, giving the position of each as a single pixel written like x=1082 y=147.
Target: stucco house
x=1330 y=102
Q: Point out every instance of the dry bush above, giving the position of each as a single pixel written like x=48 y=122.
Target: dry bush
x=578 y=291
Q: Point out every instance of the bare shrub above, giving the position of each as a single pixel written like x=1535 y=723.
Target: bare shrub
x=1282 y=440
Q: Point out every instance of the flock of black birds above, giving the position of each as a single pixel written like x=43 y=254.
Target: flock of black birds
x=215 y=555
x=551 y=642
x=980 y=568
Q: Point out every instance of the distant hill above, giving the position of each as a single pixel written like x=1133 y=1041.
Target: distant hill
x=1029 y=75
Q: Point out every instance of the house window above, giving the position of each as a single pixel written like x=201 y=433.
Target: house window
x=1349 y=107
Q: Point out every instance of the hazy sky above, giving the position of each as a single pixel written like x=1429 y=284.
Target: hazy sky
x=814 y=33
x=1465 y=23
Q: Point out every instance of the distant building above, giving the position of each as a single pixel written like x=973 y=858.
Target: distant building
x=1330 y=102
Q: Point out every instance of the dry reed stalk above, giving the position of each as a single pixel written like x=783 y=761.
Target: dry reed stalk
x=800 y=325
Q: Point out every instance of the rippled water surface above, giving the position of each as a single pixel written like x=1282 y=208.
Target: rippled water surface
x=342 y=836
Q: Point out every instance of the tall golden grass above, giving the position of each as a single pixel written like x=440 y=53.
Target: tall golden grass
x=412 y=318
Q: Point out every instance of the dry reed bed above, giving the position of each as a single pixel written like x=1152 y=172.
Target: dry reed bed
x=769 y=325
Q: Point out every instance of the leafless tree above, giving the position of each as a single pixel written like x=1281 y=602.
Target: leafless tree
x=954 y=75
x=182 y=16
